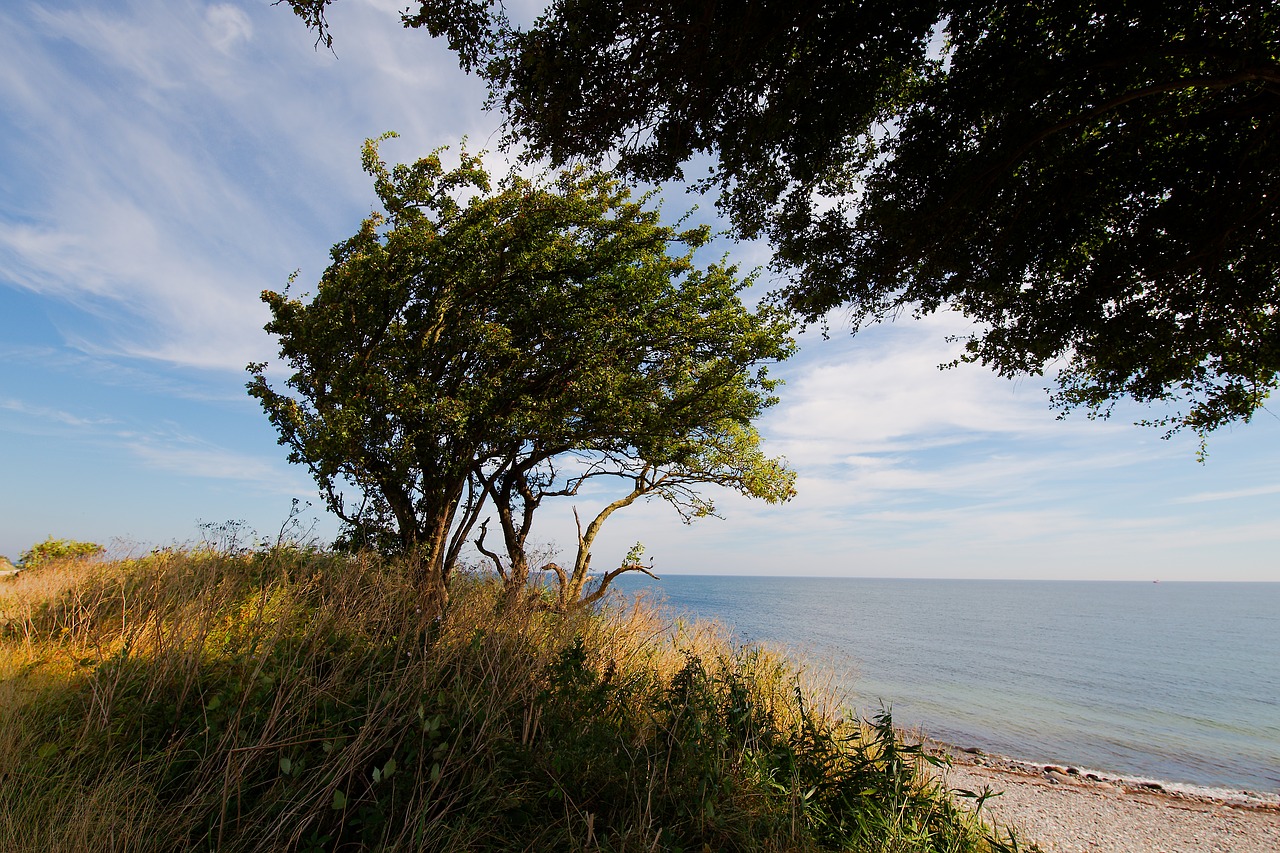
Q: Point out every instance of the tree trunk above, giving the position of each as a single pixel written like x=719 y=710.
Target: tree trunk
x=572 y=594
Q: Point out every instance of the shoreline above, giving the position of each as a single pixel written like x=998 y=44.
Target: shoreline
x=1069 y=774
x=1065 y=809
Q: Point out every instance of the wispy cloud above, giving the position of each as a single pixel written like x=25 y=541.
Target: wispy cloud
x=884 y=390
x=1234 y=494
x=226 y=26
x=172 y=188
x=46 y=414
x=88 y=360
x=192 y=456
x=165 y=448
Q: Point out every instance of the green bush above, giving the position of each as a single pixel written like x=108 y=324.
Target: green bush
x=51 y=550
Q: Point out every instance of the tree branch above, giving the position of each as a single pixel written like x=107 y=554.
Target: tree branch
x=608 y=578
x=497 y=562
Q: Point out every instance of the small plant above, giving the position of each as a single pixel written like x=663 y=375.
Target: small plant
x=52 y=550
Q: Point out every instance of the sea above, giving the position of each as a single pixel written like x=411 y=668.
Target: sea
x=1170 y=682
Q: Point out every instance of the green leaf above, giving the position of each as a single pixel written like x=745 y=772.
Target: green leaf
x=339 y=801
x=1127 y=244
x=286 y=766
x=541 y=319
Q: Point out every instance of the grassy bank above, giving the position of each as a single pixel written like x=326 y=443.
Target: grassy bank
x=298 y=700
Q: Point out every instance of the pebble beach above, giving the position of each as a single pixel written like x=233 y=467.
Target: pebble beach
x=1064 y=810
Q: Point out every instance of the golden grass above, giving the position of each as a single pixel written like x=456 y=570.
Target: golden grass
x=295 y=699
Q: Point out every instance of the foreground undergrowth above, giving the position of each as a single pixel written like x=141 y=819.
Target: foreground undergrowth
x=292 y=699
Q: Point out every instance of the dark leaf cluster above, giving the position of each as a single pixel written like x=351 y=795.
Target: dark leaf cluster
x=1094 y=184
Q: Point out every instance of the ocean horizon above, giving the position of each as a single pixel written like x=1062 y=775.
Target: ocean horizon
x=1174 y=681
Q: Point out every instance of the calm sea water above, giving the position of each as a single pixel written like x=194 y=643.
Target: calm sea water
x=1171 y=681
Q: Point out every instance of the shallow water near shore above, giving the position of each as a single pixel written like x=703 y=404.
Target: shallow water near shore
x=1177 y=682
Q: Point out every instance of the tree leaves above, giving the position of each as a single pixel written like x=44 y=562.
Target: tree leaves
x=1096 y=185
x=476 y=330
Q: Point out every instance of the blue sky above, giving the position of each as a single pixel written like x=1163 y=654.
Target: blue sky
x=164 y=161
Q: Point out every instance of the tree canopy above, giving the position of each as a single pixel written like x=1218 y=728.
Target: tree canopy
x=1096 y=184
x=480 y=343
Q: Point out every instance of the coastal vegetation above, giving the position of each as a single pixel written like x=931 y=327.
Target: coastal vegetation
x=484 y=345
x=296 y=698
x=54 y=550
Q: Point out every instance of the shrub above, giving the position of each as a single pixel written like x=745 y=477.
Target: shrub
x=51 y=550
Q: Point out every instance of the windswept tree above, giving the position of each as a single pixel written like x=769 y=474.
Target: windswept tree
x=473 y=339
x=673 y=465
x=1095 y=184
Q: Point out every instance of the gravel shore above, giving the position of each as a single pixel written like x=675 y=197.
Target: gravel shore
x=1062 y=810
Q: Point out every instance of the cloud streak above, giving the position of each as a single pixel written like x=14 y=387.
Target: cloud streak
x=171 y=187
x=58 y=416
x=191 y=456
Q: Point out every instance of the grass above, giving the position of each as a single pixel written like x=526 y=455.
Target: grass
x=293 y=699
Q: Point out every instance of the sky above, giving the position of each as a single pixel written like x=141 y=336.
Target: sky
x=162 y=162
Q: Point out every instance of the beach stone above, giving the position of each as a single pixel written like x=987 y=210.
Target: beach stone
x=1055 y=776
x=1084 y=819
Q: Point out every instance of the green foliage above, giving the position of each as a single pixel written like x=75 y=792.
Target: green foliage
x=1094 y=184
x=505 y=342
x=51 y=550
x=291 y=700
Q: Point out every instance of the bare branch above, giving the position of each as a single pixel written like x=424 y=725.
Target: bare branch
x=484 y=530
x=563 y=579
x=471 y=513
x=608 y=578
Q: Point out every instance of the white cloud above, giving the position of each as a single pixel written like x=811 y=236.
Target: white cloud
x=884 y=387
x=176 y=182
x=128 y=42
x=1234 y=494
x=45 y=413
x=83 y=360
x=187 y=455
x=226 y=25
x=167 y=448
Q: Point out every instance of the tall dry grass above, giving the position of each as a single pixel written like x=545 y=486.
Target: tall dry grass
x=292 y=699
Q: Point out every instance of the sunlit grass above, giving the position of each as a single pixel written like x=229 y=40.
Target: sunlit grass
x=294 y=699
